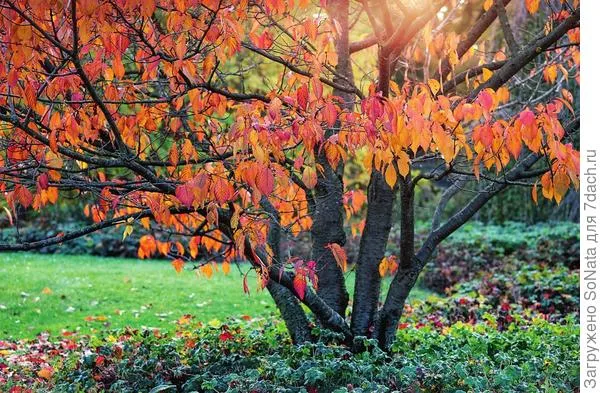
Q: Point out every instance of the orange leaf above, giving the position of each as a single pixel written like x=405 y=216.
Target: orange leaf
x=309 y=177
x=118 y=67
x=147 y=246
x=547 y=186
x=383 y=266
x=245 y=284
x=207 y=270
x=178 y=264
x=30 y=95
x=23 y=195
x=147 y=7
x=339 y=254
x=226 y=266
x=532 y=6
x=390 y=175
x=403 y=163
x=223 y=190
x=46 y=373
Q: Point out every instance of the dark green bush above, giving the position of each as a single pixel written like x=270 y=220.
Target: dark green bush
x=478 y=249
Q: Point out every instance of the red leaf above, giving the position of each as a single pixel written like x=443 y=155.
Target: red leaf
x=185 y=195
x=225 y=336
x=302 y=96
x=300 y=285
x=265 y=40
x=245 y=283
x=43 y=181
x=487 y=136
x=330 y=114
x=265 y=182
x=527 y=117
x=486 y=100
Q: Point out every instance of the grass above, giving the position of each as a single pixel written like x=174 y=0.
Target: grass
x=54 y=293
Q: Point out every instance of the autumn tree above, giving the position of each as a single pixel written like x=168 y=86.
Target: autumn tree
x=231 y=122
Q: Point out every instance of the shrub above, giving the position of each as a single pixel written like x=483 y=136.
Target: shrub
x=474 y=251
x=500 y=300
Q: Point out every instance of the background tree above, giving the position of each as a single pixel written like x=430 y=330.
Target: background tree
x=230 y=122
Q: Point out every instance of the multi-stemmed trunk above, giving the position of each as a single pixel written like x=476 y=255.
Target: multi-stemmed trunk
x=369 y=317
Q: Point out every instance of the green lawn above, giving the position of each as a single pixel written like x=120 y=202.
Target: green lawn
x=58 y=292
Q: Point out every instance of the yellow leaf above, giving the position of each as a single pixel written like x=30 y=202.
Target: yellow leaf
x=214 y=323
x=502 y=94
x=128 y=230
x=488 y=4
x=487 y=74
x=390 y=175
x=550 y=73
x=453 y=58
x=434 y=85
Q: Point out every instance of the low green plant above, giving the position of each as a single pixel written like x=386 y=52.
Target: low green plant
x=239 y=357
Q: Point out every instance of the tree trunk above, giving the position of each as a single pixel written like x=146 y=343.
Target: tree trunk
x=387 y=323
x=408 y=270
x=328 y=218
x=328 y=228
x=291 y=311
x=372 y=249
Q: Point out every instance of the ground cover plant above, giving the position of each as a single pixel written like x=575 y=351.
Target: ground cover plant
x=257 y=356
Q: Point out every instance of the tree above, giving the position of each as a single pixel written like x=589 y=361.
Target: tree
x=230 y=121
